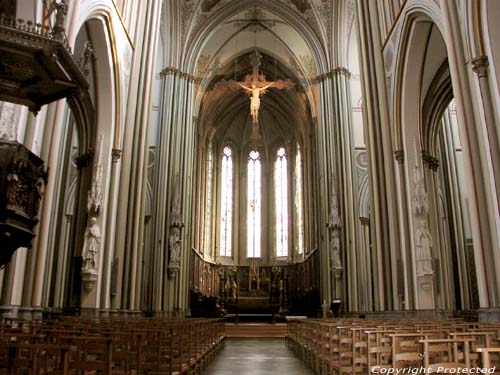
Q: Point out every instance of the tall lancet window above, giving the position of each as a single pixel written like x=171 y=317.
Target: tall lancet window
x=299 y=204
x=209 y=192
x=281 y=202
x=226 y=203
x=254 y=205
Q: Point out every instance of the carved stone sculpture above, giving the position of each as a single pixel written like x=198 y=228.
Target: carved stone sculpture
x=334 y=224
x=420 y=194
x=95 y=197
x=423 y=247
x=335 y=253
x=92 y=245
x=423 y=238
x=175 y=213
x=174 y=244
x=86 y=58
x=91 y=248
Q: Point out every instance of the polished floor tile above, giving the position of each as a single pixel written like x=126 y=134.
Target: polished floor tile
x=257 y=357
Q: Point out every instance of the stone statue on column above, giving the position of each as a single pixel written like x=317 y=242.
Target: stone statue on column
x=420 y=203
x=92 y=239
x=175 y=242
x=86 y=58
x=423 y=256
x=94 y=199
x=334 y=224
x=92 y=245
x=422 y=237
x=91 y=248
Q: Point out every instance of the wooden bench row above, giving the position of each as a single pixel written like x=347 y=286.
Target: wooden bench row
x=359 y=346
x=109 y=347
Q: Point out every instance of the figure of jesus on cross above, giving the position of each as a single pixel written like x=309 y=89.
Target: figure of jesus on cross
x=256 y=92
x=255 y=85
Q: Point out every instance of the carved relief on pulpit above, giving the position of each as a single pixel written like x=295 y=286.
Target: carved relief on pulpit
x=8 y=7
x=22 y=183
x=25 y=183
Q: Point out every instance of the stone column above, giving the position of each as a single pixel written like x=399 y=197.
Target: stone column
x=424 y=244
x=407 y=289
x=175 y=163
x=325 y=169
x=122 y=260
x=467 y=273
x=484 y=208
x=344 y=155
x=336 y=164
x=56 y=142
x=386 y=242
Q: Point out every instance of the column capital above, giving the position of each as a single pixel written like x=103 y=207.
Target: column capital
x=170 y=70
x=84 y=160
x=332 y=73
x=399 y=155
x=116 y=154
x=429 y=160
x=480 y=66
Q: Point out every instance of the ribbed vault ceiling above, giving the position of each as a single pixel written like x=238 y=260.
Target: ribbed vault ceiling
x=285 y=115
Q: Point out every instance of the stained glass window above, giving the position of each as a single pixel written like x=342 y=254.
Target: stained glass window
x=299 y=204
x=226 y=202
x=281 y=202
x=254 y=205
x=208 y=213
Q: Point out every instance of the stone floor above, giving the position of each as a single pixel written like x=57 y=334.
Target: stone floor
x=256 y=357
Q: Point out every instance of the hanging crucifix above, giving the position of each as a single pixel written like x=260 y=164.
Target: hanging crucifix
x=255 y=85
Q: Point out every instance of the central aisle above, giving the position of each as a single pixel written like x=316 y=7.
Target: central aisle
x=257 y=357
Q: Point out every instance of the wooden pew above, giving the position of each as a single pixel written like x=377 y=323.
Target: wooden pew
x=109 y=346
x=442 y=355
x=490 y=357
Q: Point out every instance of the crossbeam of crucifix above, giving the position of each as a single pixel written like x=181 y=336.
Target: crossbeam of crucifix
x=255 y=85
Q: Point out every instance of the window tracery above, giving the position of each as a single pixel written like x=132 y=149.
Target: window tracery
x=226 y=203
x=254 y=202
x=299 y=204
x=209 y=200
x=281 y=202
